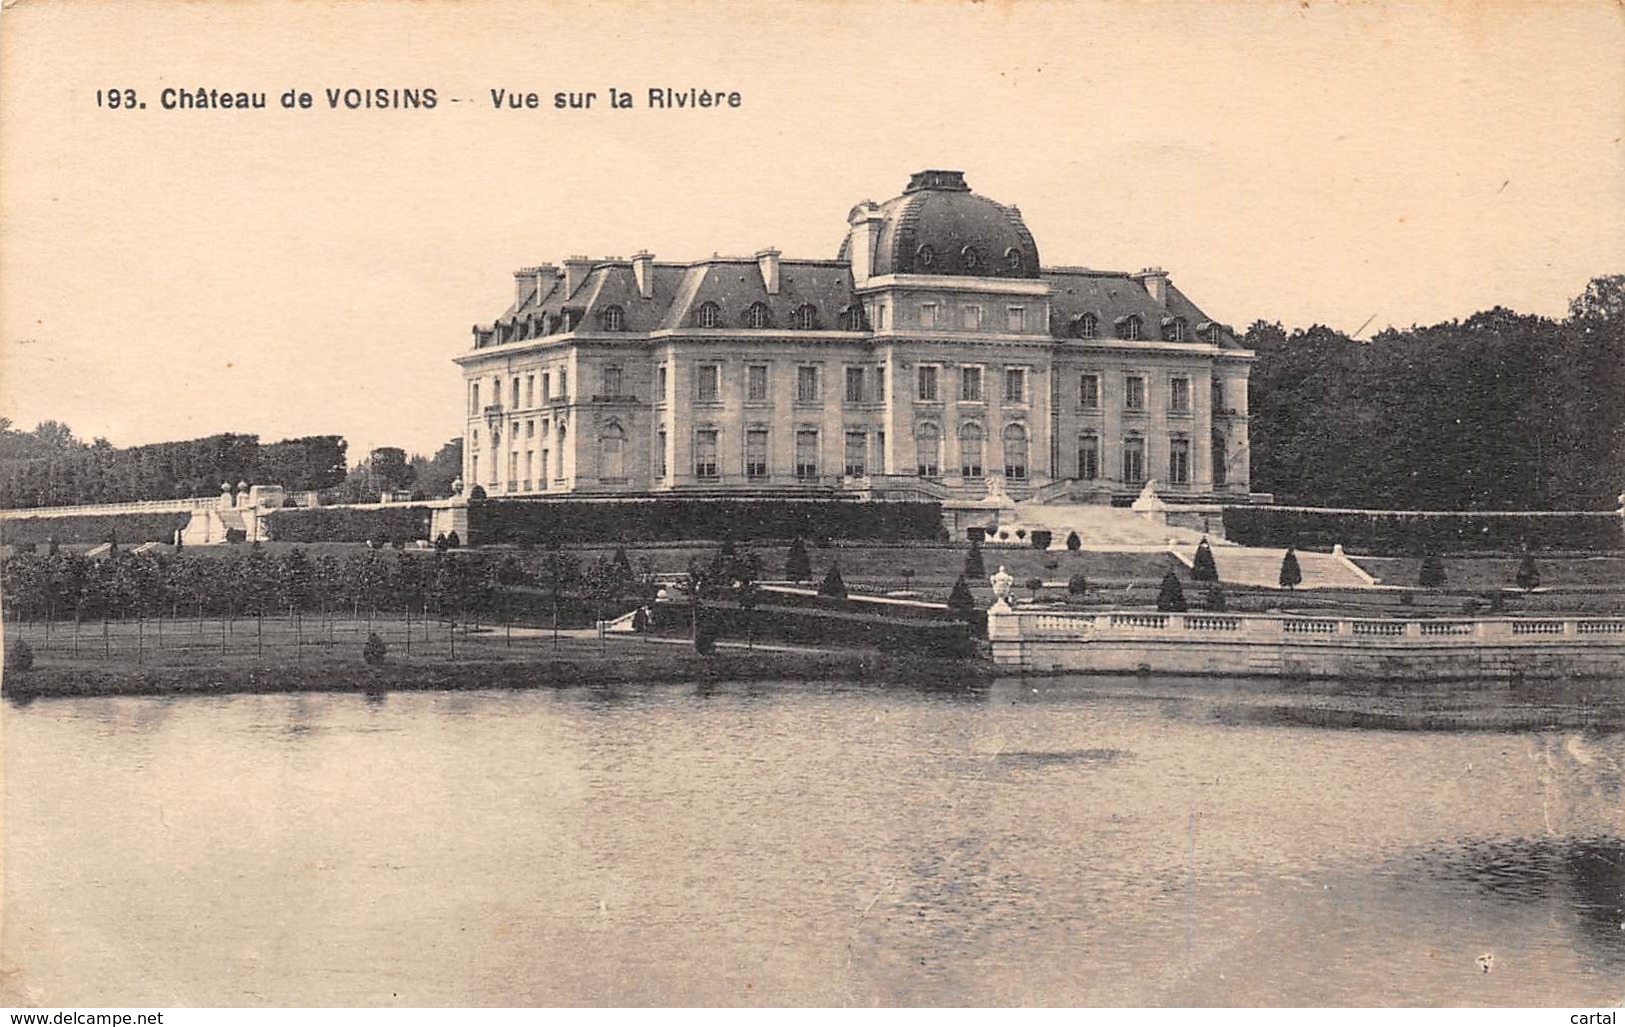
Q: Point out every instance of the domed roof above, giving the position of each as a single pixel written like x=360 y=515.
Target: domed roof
x=939 y=227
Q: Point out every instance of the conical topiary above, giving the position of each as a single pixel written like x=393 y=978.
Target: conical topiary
x=973 y=562
x=1202 y=566
x=1432 y=574
x=797 y=565
x=1528 y=575
x=833 y=585
x=960 y=599
x=1171 y=597
x=1291 y=576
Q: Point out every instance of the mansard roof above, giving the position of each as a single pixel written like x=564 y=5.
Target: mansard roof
x=1113 y=296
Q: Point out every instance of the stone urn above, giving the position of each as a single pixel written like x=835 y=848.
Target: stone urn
x=1002 y=583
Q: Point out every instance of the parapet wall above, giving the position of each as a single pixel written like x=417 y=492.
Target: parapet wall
x=1274 y=645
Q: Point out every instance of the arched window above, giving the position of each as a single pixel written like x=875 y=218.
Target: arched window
x=971 y=438
x=852 y=319
x=1086 y=326
x=1130 y=326
x=928 y=449
x=970 y=259
x=926 y=257
x=1221 y=459
x=1012 y=259
x=756 y=316
x=612 y=453
x=709 y=315
x=1173 y=329
x=1015 y=451
x=804 y=316
x=614 y=319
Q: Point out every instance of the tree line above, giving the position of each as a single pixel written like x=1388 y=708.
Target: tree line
x=1502 y=411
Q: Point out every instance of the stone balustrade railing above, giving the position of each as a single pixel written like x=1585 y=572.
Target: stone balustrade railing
x=1063 y=625
x=99 y=509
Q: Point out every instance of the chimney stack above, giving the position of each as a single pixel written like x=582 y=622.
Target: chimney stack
x=576 y=269
x=865 y=221
x=768 y=261
x=1155 y=281
x=643 y=269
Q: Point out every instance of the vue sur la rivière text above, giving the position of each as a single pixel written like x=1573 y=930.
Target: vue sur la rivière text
x=173 y=98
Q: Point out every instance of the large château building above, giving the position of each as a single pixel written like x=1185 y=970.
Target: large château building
x=934 y=356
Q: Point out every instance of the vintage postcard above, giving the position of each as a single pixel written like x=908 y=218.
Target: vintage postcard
x=900 y=504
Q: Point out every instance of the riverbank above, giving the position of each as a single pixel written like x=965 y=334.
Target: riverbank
x=64 y=678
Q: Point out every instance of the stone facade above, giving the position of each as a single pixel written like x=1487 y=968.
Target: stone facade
x=933 y=355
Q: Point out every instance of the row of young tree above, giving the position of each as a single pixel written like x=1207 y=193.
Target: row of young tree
x=1501 y=411
x=50 y=467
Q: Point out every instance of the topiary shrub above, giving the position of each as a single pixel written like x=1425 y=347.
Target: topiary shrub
x=640 y=621
x=1213 y=600
x=1432 y=574
x=1040 y=539
x=1021 y=533
x=453 y=541
x=1528 y=576
x=1004 y=536
x=1035 y=586
x=1073 y=542
x=1291 y=575
x=375 y=650
x=705 y=637
x=973 y=562
x=1171 y=597
x=833 y=585
x=960 y=600
x=1202 y=566
x=20 y=657
x=1078 y=585
x=797 y=565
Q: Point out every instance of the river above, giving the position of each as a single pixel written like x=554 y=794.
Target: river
x=1095 y=841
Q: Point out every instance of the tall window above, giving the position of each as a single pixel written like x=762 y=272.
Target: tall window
x=854 y=385
x=515 y=403
x=1133 y=393
x=474 y=468
x=660 y=455
x=928 y=449
x=530 y=466
x=880 y=452
x=612 y=453
x=530 y=393
x=547 y=460
x=705 y=383
x=806 y=454
x=971 y=316
x=705 y=453
x=971 y=439
x=1179 y=461
x=1133 y=460
x=614 y=319
x=805 y=316
x=564 y=383
x=1015 y=319
x=928 y=315
x=756 y=383
x=513 y=470
x=1015 y=451
x=806 y=385
x=970 y=384
x=1179 y=395
x=880 y=385
x=709 y=315
x=475 y=441
x=612 y=381
x=1130 y=327
x=1086 y=326
x=660 y=384
x=547 y=386
x=857 y=452
x=756 y=316
x=1015 y=385
x=473 y=397
x=756 y=453
x=1088 y=457
x=1174 y=329
x=530 y=429
x=1221 y=460
x=1218 y=396
x=928 y=384
x=1089 y=391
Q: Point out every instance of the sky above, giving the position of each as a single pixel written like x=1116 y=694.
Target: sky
x=172 y=274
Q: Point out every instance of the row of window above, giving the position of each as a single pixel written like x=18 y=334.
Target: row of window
x=531 y=397
x=1132 y=327
x=806 y=454
x=757 y=315
x=970 y=317
x=862 y=384
x=971 y=377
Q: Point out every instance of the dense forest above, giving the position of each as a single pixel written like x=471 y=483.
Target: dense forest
x=1501 y=411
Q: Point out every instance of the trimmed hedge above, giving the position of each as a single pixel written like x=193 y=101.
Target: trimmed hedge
x=1403 y=533
x=343 y=524
x=775 y=623
x=131 y=528
x=744 y=520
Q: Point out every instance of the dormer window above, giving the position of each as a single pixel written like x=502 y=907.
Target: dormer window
x=1173 y=329
x=804 y=316
x=1130 y=327
x=970 y=259
x=1086 y=326
x=1012 y=259
x=756 y=316
x=926 y=257
x=1208 y=332
x=852 y=319
x=614 y=319
x=709 y=316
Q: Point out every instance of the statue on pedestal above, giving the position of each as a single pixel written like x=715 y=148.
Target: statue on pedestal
x=1001 y=582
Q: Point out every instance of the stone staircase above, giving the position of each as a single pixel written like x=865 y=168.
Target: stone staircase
x=1100 y=528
